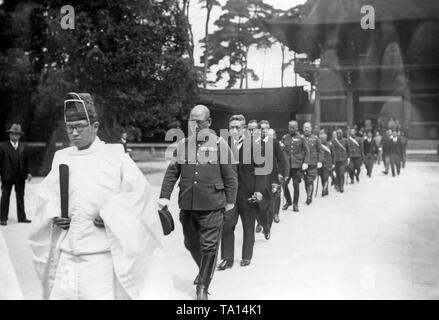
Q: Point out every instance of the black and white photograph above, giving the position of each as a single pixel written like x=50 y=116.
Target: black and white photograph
x=220 y=150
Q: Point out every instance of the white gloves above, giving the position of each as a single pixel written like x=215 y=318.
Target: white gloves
x=319 y=165
x=163 y=202
x=304 y=166
x=258 y=195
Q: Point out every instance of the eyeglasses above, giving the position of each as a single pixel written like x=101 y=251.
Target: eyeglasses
x=79 y=128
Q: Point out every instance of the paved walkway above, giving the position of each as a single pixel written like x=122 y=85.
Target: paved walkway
x=378 y=240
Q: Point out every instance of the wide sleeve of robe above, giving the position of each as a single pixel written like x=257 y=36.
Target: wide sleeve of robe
x=135 y=233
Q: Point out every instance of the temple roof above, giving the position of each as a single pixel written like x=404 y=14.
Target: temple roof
x=267 y=99
x=308 y=34
x=349 y=11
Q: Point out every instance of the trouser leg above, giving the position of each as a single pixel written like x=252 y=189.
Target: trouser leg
x=351 y=169
x=228 y=236
x=296 y=176
x=287 y=194
x=19 y=195
x=191 y=235
x=6 y=194
x=277 y=202
x=386 y=163
x=248 y=213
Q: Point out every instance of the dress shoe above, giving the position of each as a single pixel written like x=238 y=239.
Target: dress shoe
x=352 y=181
x=276 y=218
x=286 y=205
x=3 y=223
x=358 y=178
x=258 y=228
x=225 y=264
x=24 y=221
x=295 y=207
x=244 y=262
x=267 y=235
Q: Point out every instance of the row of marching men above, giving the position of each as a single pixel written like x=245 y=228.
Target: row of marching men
x=297 y=157
x=214 y=194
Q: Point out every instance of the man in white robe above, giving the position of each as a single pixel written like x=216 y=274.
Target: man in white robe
x=110 y=246
x=9 y=287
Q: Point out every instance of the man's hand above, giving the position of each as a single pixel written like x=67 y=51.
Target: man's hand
x=98 y=222
x=319 y=165
x=163 y=202
x=229 y=206
x=281 y=178
x=275 y=187
x=333 y=166
x=63 y=223
x=29 y=177
x=258 y=196
x=304 y=166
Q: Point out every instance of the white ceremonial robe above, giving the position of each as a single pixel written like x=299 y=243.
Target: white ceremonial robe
x=103 y=181
x=9 y=287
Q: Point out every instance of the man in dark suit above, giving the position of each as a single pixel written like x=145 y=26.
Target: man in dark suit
x=277 y=174
x=252 y=189
x=370 y=153
x=208 y=187
x=387 y=150
x=14 y=171
x=396 y=153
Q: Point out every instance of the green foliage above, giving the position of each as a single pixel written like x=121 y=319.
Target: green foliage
x=131 y=55
x=239 y=28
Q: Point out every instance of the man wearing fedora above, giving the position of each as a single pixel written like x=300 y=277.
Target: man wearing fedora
x=14 y=170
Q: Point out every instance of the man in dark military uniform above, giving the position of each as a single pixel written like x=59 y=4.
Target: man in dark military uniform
x=315 y=162
x=356 y=155
x=297 y=153
x=208 y=188
x=250 y=185
x=327 y=162
x=370 y=153
x=341 y=152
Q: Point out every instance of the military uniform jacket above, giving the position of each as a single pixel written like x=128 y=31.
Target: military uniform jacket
x=205 y=183
x=341 y=150
x=296 y=150
x=355 y=147
x=327 y=155
x=315 y=149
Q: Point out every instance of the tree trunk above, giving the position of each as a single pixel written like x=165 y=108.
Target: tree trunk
x=206 y=52
x=282 y=66
x=246 y=69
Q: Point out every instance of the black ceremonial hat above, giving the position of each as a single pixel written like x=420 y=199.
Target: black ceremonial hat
x=166 y=220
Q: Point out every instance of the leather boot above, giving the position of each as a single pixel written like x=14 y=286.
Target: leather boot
x=325 y=189
x=197 y=258
x=309 y=190
x=206 y=273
